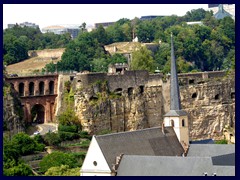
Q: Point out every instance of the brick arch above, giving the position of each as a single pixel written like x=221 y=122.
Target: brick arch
x=38 y=113
x=38 y=94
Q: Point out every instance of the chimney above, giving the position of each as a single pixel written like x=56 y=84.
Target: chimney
x=163 y=128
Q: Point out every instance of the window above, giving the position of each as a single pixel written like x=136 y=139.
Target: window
x=21 y=89
x=51 y=87
x=172 y=123
x=41 y=88
x=183 y=123
x=95 y=163
x=31 y=89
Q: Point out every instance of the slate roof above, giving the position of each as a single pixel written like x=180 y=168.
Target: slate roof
x=204 y=141
x=170 y=166
x=148 y=142
x=210 y=150
x=176 y=113
x=224 y=160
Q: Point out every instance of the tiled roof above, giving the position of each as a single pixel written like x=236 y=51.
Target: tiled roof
x=147 y=142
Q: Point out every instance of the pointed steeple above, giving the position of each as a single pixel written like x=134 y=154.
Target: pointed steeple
x=175 y=101
x=175 y=95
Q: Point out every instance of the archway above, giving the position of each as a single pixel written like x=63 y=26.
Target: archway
x=38 y=114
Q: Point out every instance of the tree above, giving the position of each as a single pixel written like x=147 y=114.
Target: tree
x=52 y=138
x=142 y=60
x=62 y=170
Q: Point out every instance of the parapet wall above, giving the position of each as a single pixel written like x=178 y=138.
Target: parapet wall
x=53 y=53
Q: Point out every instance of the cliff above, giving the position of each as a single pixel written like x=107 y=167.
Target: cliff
x=138 y=100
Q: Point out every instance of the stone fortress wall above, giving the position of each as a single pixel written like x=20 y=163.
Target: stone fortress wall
x=208 y=97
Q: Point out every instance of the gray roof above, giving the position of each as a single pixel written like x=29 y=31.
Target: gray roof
x=224 y=160
x=169 y=166
x=210 y=150
x=204 y=141
x=174 y=95
x=148 y=142
x=176 y=113
x=221 y=13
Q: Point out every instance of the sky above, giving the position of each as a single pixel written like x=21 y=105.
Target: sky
x=75 y=14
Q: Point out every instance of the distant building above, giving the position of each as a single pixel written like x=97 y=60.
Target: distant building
x=221 y=13
x=73 y=30
x=24 y=24
x=230 y=8
x=104 y=24
x=149 y=17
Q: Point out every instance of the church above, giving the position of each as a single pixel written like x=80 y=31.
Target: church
x=159 y=151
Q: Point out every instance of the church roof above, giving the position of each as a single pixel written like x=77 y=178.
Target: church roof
x=171 y=166
x=221 y=13
x=147 y=142
x=210 y=150
x=177 y=113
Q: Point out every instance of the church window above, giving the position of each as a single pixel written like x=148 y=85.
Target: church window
x=95 y=163
x=172 y=123
x=183 y=123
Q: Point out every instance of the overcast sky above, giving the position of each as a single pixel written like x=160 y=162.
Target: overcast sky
x=64 y=14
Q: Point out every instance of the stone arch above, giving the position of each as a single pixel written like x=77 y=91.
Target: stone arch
x=21 y=89
x=31 y=89
x=51 y=87
x=41 y=88
x=38 y=114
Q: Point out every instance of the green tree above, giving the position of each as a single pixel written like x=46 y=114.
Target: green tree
x=19 y=169
x=52 y=138
x=68 y=118
x=62 y=170
x=142 y=60
x=57 y=158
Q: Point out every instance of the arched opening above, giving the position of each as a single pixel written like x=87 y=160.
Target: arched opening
x=41 y=88
x=183 y=123
x=216 y=97
x=194 y=95
x=38 y=113
x=233 y=95
x=21 y=89
x=51 y=87
x=118 y=91
x=130 y=91
x=172 y=123
x=141 y=89
x=31 y=88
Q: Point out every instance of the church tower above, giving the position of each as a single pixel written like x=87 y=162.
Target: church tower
x=176 y=117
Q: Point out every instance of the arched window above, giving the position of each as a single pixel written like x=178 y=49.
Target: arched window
x=31 y=88
x=183 y=123
x=21 y=89
x=172 y=123
x=41 y=88
x=51 y=87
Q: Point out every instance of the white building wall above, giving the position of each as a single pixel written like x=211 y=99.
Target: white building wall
x=94 y=154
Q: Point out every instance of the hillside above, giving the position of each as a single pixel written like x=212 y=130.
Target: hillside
x=38 y=59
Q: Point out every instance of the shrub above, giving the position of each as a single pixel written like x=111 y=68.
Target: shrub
x=52 y=139
x=57 y=159
x=64 y=136
x=70 y=128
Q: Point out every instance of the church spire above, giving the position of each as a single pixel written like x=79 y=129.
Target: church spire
x=175 y=95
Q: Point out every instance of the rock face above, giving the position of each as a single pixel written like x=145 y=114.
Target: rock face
x=136 y=101
x=12 y=119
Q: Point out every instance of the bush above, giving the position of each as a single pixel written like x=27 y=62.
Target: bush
x=71 y=128
x=62 y=170
x=57 y=159
x=84 y=134
x=52 y=139
x=223 y=141
x=20 y=169
x=64 y=136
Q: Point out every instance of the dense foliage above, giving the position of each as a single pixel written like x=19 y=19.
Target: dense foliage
x=17 y=41
x=57 y=158
x=206 y=47
x=20 y=144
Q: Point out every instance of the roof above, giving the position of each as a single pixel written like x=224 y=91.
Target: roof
x=224 y=160
x=148 y=142
x=170 y=166
x=210 y=150
x=176 y=113
x=204 y=141
x=221 y=13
